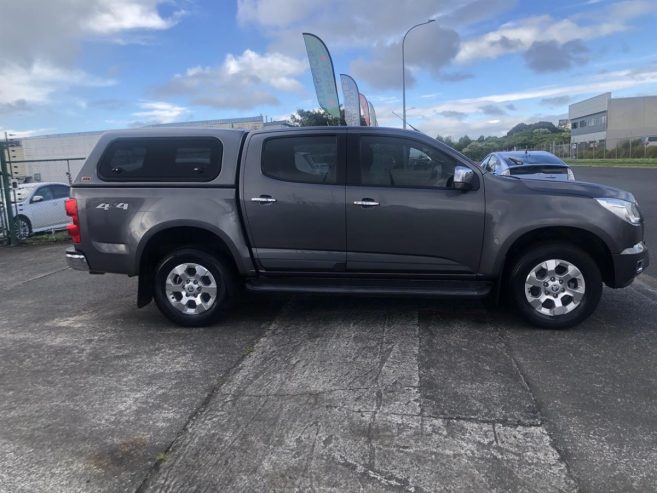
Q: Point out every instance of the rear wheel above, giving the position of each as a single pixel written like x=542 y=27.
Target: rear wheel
x=556 y=286
x=192 y=287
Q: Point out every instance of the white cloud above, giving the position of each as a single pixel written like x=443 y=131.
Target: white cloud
x=36 y=83
x=277 y=13
x=159 y=112
x=515 y=37
x=357 y=23
x=124 y=15
x=242 y=81
x=520 y=35
x=472 y=116
x=626 y=79
x=274 y=69
x=17 y=134
x=40 y=41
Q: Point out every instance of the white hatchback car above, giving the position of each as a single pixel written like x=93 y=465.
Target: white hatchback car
x=40 y=207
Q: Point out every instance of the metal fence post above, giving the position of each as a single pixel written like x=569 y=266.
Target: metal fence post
x=6 y=186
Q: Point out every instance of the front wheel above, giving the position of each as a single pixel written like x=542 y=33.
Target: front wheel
x=556 y=286
x=192 y=287
x=23 y=228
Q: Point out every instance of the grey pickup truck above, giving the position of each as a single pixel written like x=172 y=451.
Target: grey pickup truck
x=199 y=214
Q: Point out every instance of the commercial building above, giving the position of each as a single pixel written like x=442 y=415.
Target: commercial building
x=610 y=122
x=60 y=157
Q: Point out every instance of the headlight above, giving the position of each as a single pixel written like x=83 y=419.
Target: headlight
x=505 y=172
x=571 y=175
x=627 y=211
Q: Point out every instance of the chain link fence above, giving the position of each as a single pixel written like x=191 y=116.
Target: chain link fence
x=629 y=148
x=31 y=171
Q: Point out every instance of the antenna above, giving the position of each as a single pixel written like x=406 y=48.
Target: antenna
x=417 y=130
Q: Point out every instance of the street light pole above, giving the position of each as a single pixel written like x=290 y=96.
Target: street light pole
x=404 y=66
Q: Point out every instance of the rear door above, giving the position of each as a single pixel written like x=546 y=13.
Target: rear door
x=293 y=194
x=403 y=214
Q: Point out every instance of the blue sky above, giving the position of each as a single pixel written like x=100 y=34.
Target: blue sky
x=482 y=67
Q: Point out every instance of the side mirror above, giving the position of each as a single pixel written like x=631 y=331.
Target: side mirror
x=36 y=198
x=464 y=178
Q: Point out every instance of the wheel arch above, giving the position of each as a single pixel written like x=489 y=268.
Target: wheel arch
x=589 y=242
x=169 y=237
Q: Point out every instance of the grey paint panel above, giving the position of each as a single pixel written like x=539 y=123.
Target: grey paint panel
x=415 y=224
x=299 y=260
x=515 y=207
x=401 y=263
x=305 y=218
x=131 y=216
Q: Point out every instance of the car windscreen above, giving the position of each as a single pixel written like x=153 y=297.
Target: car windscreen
x=530 y=158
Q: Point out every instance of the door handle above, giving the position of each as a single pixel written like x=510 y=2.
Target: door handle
x=263 y=199
x=366 y=203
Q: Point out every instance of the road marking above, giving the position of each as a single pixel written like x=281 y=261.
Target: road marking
x=35 y=278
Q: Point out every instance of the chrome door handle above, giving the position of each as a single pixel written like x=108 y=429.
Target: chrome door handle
x=263 y=199
x=366 y=203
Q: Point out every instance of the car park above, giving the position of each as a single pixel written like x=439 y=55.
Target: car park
x=199 y=213
x=39 y=207
x=538 y=165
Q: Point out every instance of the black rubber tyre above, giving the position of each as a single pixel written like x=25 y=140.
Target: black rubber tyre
x=23 y=228
x=562 y=251
x=221 y=274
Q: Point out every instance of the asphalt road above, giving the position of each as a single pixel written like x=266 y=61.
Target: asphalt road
x=642 y=182
x=303 y=393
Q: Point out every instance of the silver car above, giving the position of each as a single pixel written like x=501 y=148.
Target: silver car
x=39 y=207
x=537 y=165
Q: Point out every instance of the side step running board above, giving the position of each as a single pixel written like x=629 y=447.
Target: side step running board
x=374 y=287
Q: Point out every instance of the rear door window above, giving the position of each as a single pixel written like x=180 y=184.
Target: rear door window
x=308 y=159
x=162 y=159
x=61 y=191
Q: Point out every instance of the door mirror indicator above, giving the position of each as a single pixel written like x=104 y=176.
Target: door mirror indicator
x=37 y=198
x=464 y=178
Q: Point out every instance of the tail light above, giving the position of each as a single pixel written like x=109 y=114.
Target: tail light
x=71 y=206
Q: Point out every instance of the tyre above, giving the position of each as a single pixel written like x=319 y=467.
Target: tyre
x=192 y=287
x=22 y=227
x=555 y=286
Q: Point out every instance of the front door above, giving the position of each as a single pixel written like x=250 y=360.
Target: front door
x=293 y=193
x=403 y=214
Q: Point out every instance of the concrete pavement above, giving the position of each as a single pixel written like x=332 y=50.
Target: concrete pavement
x=299 y=393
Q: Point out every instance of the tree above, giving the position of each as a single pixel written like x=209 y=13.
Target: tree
x=463 y=142
x=315 y=118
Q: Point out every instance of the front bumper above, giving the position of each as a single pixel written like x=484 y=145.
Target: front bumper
x=76 y=260
x=630 y=263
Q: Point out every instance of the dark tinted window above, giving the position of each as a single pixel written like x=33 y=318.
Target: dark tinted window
x=190 y=159
x=309 y=159
x=387 y=161
x=45 y=192
x=60 y=191
x=534 y=159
